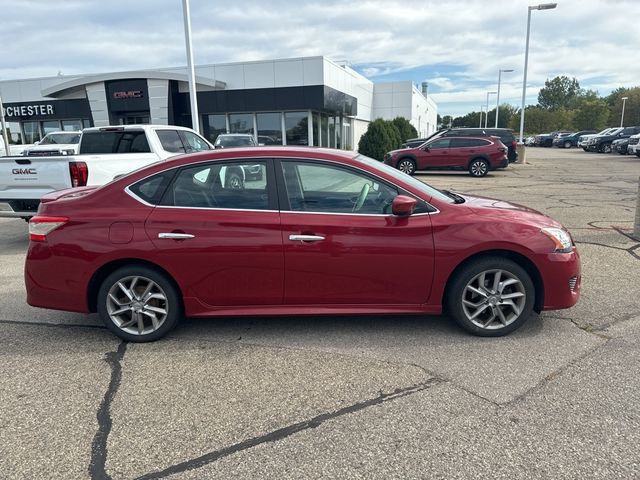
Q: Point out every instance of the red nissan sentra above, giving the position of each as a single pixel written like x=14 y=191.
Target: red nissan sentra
x=315 y=231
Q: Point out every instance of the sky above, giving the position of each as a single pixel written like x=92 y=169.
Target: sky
x=457 y=46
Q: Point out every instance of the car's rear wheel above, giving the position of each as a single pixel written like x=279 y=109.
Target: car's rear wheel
x=478 y=167
x=567 y=144
x=490 y=296
x=407 y=165
x=139 y=304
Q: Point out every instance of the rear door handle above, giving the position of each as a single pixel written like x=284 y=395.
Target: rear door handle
x=306 y=238
x=175 y=236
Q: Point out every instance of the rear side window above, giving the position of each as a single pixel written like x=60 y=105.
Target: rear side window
x=102 y=142
x=170 y=141
x=468 y=142
x=152 y=188
x=193 y=143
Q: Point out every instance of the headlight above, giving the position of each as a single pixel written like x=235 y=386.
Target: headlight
x=560 y=238
x=70 y=151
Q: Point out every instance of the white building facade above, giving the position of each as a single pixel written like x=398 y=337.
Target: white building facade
x=299 y=101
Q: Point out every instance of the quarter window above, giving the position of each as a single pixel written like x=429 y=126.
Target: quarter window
x=233 y=185
x=151 y=189
x=193 y=142
x=320 y=188
x=170 y=141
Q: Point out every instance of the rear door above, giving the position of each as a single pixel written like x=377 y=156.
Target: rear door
x=222 y=243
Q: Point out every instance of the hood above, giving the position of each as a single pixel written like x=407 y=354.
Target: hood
x=507 y=210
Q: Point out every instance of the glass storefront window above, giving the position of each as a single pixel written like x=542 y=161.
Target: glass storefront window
x=50 y=126
x=296 y=126
x=324 y=123
x=332 y=132
x=241 y=123
x=338 y=132
x=214 y=125
x=316 y=129
x=269 y=128
x=31 y=132
x=71 y=125
x=346 y=136
x=14 y=133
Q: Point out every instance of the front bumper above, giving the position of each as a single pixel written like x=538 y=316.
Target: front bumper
x=561 y=275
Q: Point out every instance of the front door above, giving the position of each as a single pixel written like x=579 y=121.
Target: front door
x=435 y=154
x=341 y=243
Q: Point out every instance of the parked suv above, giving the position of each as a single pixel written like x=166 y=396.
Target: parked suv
x=570 y=139
x=602 y=143
x=478 y=155
x=506 y=137
x=633 y=148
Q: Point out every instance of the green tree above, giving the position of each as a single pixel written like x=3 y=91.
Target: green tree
x=560 y=92
x=405 y=128
x=471 y=119
x=394 y=134
x=446 y=121
x=376 y=141
x=631 y=107
x=591 y=114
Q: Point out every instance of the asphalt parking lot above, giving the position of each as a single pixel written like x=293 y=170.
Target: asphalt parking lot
x=347 y=397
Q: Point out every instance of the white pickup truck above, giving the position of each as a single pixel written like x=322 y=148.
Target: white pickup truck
x=105 y=153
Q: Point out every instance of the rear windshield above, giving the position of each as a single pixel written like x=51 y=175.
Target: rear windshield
x=101 y=142
x=234 y=141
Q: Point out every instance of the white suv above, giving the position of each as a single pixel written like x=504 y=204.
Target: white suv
x=633 y=147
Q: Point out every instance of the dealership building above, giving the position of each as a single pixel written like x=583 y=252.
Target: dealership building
x=299 y=101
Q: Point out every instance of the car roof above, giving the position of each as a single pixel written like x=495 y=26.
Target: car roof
x=135 y=127
x=235 y=135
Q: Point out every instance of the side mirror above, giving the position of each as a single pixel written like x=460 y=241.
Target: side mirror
x=403 y=206
x=426 y=148
x=37 y=143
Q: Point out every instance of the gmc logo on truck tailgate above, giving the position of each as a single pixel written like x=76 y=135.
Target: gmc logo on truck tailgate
x=24 y=171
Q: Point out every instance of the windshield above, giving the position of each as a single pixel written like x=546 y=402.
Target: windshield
x=60 y=139
x=605 y=131
x=614 y=131
x=239 y=141
x=414 y=182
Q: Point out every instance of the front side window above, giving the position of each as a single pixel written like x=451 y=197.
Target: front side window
x=313 y=187
x=233 y=185
x=170 y=141
x=440 y=143
x=193 y=143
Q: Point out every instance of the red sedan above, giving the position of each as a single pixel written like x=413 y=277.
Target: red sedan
x=477 y=155
x=316 y=232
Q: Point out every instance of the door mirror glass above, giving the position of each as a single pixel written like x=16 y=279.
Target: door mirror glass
x=403 y=206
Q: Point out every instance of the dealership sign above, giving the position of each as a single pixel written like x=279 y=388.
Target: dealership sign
x=42 y=109
x=127 y=94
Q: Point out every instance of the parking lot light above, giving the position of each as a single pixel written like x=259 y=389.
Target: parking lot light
x=542 y=6
x=624 y=100
x=481 y=109
x=486 y=118
x=498 y=96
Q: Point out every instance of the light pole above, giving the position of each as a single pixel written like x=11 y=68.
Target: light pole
x=486 y=113
x=5 y=137
x=624 y=100
x=481 y=108
x=542 y=6
x=498 y=97
x=193 y=96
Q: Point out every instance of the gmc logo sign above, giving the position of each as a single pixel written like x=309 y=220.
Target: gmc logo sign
x=128 y=94
x=24 y=171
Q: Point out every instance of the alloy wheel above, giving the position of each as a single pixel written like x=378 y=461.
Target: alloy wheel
x=493 y=299
x=137 y=305
x=406 y=166
x=478 y=168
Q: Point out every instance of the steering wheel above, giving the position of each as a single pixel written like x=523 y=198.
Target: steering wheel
x=362 y=196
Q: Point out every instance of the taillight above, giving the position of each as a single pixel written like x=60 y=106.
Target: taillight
x=79 y=174
x=40 y=227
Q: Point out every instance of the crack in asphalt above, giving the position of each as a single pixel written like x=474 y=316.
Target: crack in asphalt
x=97 y=464
x=282 y=433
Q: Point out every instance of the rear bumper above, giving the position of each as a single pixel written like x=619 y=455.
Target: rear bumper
x=11 y=208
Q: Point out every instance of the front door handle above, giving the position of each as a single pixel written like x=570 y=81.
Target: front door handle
x=175 y=235
x=306 y=238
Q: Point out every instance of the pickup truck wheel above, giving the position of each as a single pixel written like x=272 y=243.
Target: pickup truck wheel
x=605 y=148
x=234 y=181
x=490 y=296
x=567 y=144
x=139 y=304
x=585 y=149
x=478 y=167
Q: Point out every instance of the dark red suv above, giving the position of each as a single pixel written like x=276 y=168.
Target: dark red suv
x=478 y=155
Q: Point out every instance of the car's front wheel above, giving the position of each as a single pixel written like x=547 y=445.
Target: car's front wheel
x=567 y=144
x=407 y=165
x=478 y=167
x=139 y=303
x=605 y=148
x=490 y=296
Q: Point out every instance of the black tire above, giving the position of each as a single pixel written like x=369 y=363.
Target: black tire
x=234 y=181
x=407 y=165
x=478 y=167
x=585 y=149
x=165 y=287
x=567 y=144
x=467 y=274
x=605 y=147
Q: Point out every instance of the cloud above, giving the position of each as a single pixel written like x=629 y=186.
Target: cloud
x=380 y=37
